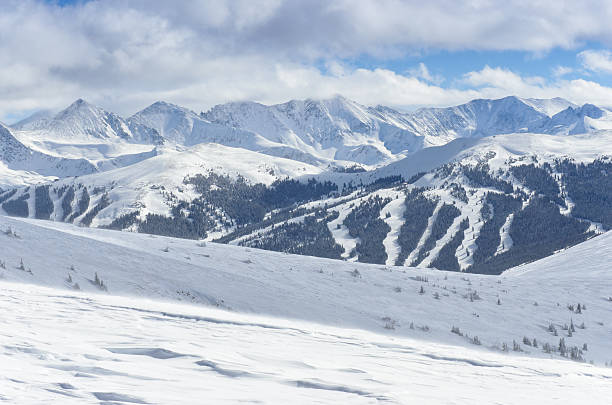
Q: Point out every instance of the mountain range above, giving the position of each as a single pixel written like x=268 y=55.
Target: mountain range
x=479 y=187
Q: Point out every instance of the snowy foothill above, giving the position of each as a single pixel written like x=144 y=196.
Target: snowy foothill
x=98 y=315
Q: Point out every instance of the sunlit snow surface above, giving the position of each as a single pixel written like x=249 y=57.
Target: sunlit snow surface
x=60 y=347
x=327 y=342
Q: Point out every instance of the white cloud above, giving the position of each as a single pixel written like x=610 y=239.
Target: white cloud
x=125 y=54
x=422 y=72
x=596 y=60
x=499 y=82
x=560 y=71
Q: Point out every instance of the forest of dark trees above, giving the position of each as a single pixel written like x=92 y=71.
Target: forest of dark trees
x=446 y=215
x=538 y=227
x=538 y=179
x=310 y=237
x=364 y=223
x=417 y=212
x=446 y=259
x=496 y=209
x=589 y=186
x=536 y=231
x=480 y=176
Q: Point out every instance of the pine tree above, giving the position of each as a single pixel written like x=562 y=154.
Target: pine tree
x=562 y=347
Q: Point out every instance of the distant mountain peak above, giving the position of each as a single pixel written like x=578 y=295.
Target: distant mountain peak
x=79 y=104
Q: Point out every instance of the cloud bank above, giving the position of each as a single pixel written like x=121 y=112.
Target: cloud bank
x=124 y=55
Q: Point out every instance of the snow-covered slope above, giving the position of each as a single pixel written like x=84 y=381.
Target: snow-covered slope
x=155 y=184
x=73 y=348
x=549 y=106
x=582 y=148
x=404 y=317
x=20 y=164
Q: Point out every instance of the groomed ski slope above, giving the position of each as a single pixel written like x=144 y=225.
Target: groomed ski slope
x=269 y=327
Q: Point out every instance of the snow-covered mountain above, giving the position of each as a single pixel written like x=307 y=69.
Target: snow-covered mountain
x=337 y=128
x=257 y=175
x=578 y=120
x=20 y=164
x=471 y=205
x=336 y=132
x=184 y=127
x=342 y=129
x=82 y=122
x=520 y=189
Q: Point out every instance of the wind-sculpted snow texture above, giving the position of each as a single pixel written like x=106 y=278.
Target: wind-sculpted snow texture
x=397 y=335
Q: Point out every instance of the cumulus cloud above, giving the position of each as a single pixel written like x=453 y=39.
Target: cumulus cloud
x=125 y=54
x=498 y=82
x=596 y=60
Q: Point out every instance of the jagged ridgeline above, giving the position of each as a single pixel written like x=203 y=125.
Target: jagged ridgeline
x=462 y=216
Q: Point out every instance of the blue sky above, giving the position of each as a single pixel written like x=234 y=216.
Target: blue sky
x=452 y=65
x=126 y=54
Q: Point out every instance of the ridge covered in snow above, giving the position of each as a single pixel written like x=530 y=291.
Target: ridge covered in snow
x=310 y=176
x=334 y=132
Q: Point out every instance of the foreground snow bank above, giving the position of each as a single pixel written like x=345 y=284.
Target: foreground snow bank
x=78 y=348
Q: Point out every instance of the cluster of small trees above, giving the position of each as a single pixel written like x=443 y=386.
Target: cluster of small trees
x=446 y=259
x=489 y=236
x=103 y=203
x=82 y=205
